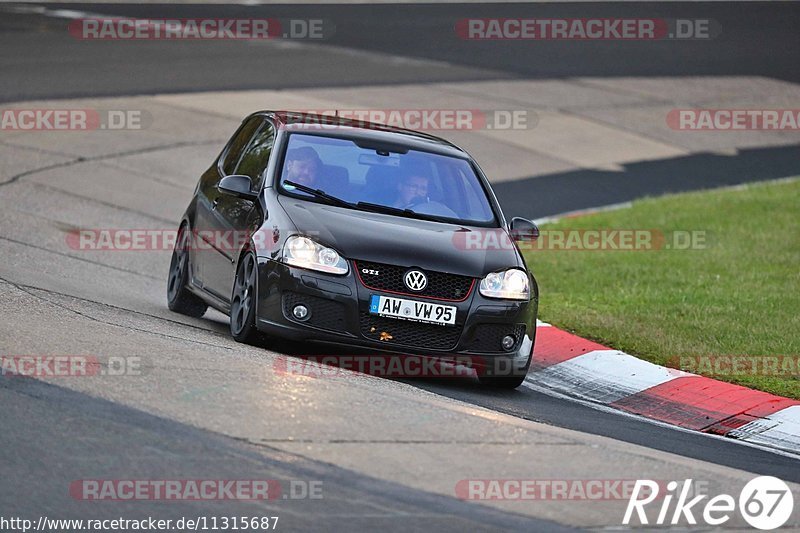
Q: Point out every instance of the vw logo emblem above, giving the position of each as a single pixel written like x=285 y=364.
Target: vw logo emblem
x=415 y=280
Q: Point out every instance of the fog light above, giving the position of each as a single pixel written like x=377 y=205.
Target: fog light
x=300 y=312
x=508 y=342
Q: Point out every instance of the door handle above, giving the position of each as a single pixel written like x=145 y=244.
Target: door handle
x=214 y=203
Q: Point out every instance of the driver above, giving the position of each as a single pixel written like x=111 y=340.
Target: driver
x=412 y=189
x=302 y=166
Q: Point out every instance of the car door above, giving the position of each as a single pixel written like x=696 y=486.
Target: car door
x=207 y=256
x=232 y=219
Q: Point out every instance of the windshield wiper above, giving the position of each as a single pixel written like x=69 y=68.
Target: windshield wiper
x=397 y=211
x=319 y=193
x=386 y=209
x=361 y=206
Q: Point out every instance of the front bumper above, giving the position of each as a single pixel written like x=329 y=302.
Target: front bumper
x=339 y=314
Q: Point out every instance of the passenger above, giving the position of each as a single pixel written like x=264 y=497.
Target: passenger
x=411 y=190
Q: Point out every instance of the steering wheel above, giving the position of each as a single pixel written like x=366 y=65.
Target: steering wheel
x=417 y=200
x=424 y=206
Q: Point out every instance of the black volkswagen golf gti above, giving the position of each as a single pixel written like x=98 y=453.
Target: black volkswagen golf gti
x=322 y=229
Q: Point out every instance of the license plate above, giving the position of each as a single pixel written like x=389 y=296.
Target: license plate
x=412 y=310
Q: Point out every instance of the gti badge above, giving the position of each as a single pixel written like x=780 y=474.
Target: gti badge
x=415 y=280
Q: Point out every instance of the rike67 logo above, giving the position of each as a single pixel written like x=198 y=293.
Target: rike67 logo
x=765 y=503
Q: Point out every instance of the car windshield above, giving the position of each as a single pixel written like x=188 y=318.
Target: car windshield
x=385 y=178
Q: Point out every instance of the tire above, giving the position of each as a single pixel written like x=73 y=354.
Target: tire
x=179 y=298
x=511 y=381
x=243 y=300
x=501 y=382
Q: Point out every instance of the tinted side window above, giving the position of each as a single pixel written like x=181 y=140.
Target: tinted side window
x=255 y=158
x=237 y=144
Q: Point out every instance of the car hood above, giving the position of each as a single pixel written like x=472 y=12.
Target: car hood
x=380 y=238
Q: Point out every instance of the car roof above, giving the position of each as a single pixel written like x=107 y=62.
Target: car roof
x=316 y=124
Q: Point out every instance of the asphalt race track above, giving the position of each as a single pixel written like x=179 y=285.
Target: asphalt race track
x=205 y=407
x=422 y=31
x=423 y=38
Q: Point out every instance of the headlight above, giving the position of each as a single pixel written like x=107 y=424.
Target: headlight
x=511 y=284
x=303 y=252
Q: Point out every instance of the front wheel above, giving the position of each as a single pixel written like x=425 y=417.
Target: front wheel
x=501 y=382
x=179 y=299
x=243 y=301
x=504 y=374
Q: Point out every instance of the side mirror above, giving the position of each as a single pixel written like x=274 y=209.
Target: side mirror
x=524 y=230
x=238 y=186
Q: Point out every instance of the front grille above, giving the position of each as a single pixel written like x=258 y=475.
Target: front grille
x=488 y=337
x=325 y=314
x=441 y=285
x=407 y=333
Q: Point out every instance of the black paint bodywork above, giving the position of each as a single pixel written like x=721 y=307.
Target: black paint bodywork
x=273 y=216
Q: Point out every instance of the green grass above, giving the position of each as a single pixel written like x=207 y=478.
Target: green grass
x=738 y=296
